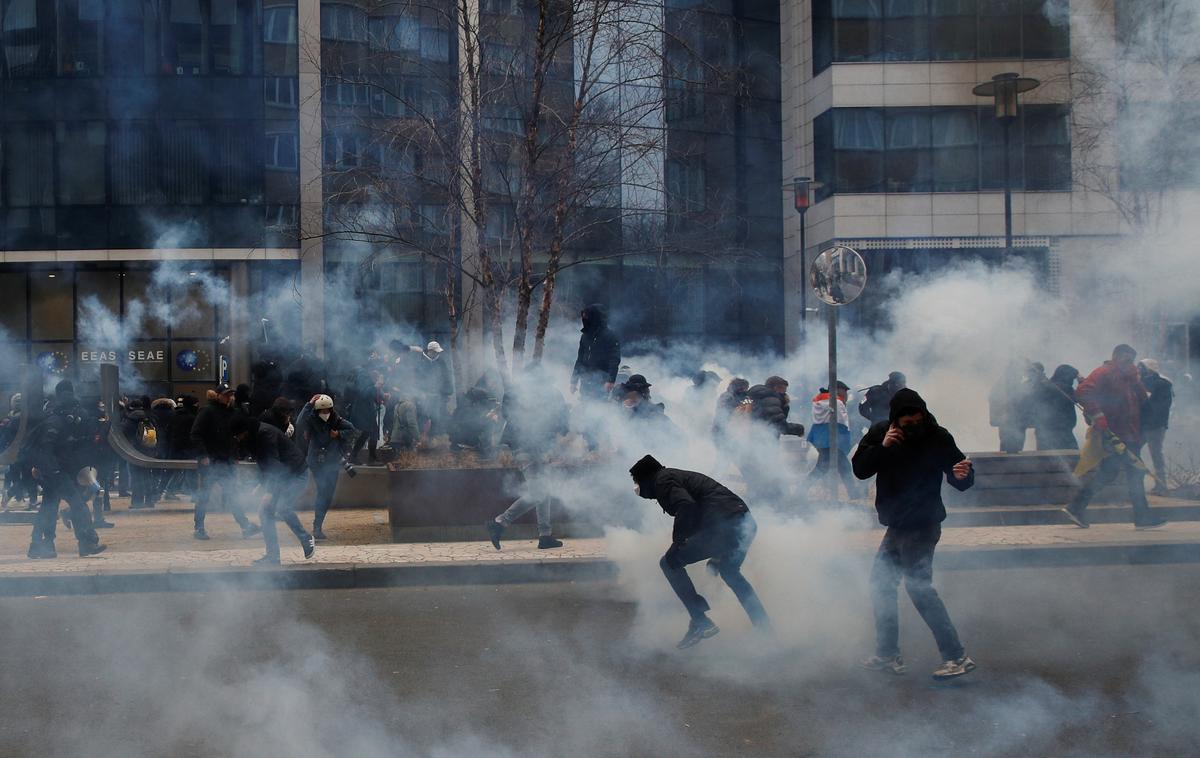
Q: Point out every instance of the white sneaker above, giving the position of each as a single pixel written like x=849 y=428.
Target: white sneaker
x=893 y=665
x=955 y=668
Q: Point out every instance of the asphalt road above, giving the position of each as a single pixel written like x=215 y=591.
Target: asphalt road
x=1073 y=662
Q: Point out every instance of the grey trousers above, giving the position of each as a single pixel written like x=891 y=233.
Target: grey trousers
x=1154 y=441
x=524 y=505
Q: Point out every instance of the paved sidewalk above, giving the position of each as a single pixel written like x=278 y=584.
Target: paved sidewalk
x=154 y=551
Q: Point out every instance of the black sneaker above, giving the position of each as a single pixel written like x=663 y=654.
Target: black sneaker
x=310 y=546
x=266 y=560
x=1076 y=518
x=91 y=548
x=1151 y=523
x=495 y=529
x=251 y=530
x=103 y=524
x=698 y=629
x=547 y=543
x=66 y=519
x=200 y=534
x=319 y=535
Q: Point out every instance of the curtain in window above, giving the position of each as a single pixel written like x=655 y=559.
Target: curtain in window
x=29 y=165
x=955 y=139
x=857 y=129
x=183 y=164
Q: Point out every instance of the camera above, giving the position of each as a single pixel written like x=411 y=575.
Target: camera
x=348 y=467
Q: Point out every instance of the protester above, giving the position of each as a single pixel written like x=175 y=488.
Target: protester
x=1156 y=412
x=1054 y=416
x=711 y=522
x=101 y=459
x=179 y=445
x=283 y=475
x=366 y=401
x=266 y=383
x=876 y=404
x=55 y=451
x=735 y=396
x=279 y=415
x=18 y=482
x=138 y=427
x=820 y=438
x=476 y=422
x=435 y=384
x=599 y=356
x=909 y=455
x=212 y=443
x=326 y=435
x=1009 y=407
x=1112 y=398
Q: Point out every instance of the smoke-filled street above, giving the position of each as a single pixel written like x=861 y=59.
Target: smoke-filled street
x=1090 y=661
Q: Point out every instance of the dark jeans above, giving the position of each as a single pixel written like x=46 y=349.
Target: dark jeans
x=1108 y=470
x=908 y=554
x=326 y=478
x=845 y=470
x=727 y=541
x=142 y=482
x=63 y=487
x=218 y=475
x=370 y=438
x=282 y=507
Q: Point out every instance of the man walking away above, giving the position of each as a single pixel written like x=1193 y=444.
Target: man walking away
x=710 y=522
x=284 y=474
x=909 y=455
x=1156 y=411
x=1112 y=398
x=212 y=441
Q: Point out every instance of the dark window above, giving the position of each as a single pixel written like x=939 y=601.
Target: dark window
x=183 y=37
x=907 y=162
x=869 y=150
x=183 y=166
x=29 y=31
x=52 y=311
x=858 y=142
x=846 y=31
x=906 y=30
x=132 y=46
x=952 y=30
x=955 y=137
x=135 y=167
x=29 y=165
x=81 y=158
x=81 y=37
x=1000 y=29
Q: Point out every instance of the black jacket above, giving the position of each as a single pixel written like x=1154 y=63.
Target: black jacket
x=276 y=417
x=908 y=475
x=1054 y=406
x=211 y=435
x=1156 y=411
x=695 y=500
x=275 y=454
x=772 y=408
x=59 y=444
x=179 y=433
x=131 y=424
x=599 y=354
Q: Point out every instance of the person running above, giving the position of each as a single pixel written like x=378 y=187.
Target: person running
x=909 y=455
x=284 y=474
x=711 y=522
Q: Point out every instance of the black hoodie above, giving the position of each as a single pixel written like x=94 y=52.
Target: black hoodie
x=599 y=351
x=908 y=475
x=695 y=500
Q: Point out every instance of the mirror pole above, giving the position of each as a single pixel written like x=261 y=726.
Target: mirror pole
x=834 y=452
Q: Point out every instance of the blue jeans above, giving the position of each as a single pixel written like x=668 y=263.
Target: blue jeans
x=726 y=542
x=282 y=507
x=908 y=554
x=326 y=478
x=219 y=474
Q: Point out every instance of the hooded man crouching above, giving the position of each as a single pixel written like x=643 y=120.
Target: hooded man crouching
x=908 y=455
x=710 y=522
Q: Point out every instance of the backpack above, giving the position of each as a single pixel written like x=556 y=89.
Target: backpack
x=147 y=434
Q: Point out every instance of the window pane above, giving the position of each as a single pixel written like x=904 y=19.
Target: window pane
x=12 y=306
x=132 y=43
x=1047 y=29
x=955 y=138
x=906 y=30
x=857 y=30
x=102 y=289
x=144 y=303
x=1000 y=29
x=29 y=32
x=135 y=165
x=52 y=312
x=858 y=149
x=231 y=40
x=191 y=309
x=1047 y=148
x=991 y=152
x=237 y=175
x=183 y=168
x=81 y=154
x=81 y=37
x=822 y=25
x=182 y=38
x=29 y=165
x=907 y=163
x=952 y=30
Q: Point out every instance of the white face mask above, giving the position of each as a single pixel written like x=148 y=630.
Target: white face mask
x=637 y=488
x=324 y=415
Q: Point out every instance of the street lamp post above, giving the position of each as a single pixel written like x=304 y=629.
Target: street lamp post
x=1004 y=90
x=801 y=197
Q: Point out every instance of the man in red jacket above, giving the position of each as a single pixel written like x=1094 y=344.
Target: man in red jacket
x=1112 y=398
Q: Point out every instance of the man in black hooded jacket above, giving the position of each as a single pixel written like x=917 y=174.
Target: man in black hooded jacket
x=284 y=474
x=599 y=355
x=909 y=455
x=710 y=522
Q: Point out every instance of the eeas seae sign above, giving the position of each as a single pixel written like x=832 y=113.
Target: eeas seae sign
x=147 y=359
x=129 y=356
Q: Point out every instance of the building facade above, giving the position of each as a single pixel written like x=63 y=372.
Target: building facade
x=244 y=142
x=878 y=109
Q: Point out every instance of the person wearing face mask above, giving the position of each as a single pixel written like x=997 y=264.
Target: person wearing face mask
x=711 y=522
x=326 y=435
x=212 y=441
x=909 y=455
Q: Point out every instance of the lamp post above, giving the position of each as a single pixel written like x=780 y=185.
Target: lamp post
x=802 y=199
x=1004 y=90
